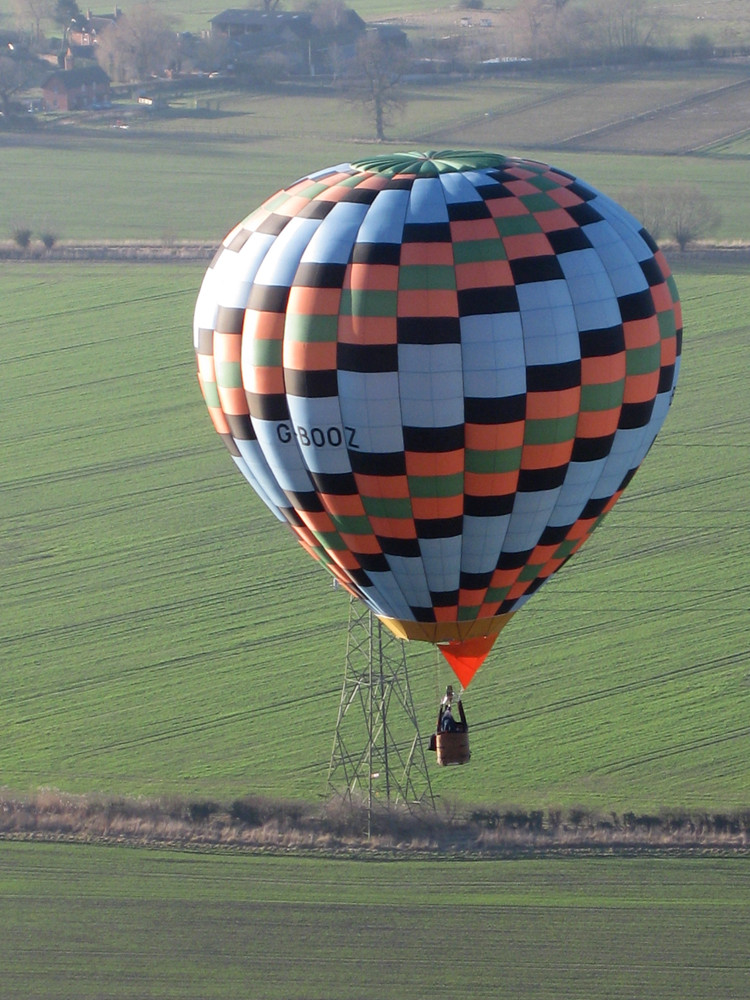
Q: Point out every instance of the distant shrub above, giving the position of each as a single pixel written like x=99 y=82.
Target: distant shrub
x=488 y=819
x=22 y=237
x=343 y=818
x=701 y=47
x=199 y=812
x=246 y=811
x=255 y=810
x=48 y=238
x=577 y=816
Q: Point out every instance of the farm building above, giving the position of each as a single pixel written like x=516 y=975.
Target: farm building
x=304 y=39
x=76 y=89
x=285 y=26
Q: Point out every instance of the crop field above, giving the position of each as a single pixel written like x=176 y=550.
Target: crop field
x=644 y=115
x=162 y=635
x=128 y=923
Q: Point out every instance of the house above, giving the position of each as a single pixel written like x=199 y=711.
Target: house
x=76 y=89
x=304 y=38
x=84 y=31
x=83 y=35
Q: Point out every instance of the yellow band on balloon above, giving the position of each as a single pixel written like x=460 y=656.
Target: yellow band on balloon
x=446 y=631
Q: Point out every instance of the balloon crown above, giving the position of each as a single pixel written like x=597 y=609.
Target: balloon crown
x=431 y=163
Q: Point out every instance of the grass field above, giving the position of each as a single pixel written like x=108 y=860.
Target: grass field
x=195 y=172
x=127 y=923
x=160 y=634
x=138 y=653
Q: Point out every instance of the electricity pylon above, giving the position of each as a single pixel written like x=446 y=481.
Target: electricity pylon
x=378 y=753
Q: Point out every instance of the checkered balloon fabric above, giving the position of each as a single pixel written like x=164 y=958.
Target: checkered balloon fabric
x=441 y=370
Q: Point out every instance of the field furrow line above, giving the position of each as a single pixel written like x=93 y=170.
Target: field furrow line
x=688 y=746
x=97 y=307
x=641 y=684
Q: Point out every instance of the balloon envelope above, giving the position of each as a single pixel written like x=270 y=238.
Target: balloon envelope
x=441 y=370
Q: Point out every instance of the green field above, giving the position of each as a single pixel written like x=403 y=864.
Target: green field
x=132 y=192
x=196 y=171
x=161 y=634
x=127 y=923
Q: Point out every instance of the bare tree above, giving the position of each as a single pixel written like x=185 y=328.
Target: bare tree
x=647 y=203
x=15 y=75
x=141 y=43
x=210 y=53
x=328 y=15
x=681 y=210
x=701 y=46
x=10 y=82
x=691 y=214
x=625 y=24
x=375 y=79
x=65 y=11
x=557 y=30
x=30 y=14
x=535 y=14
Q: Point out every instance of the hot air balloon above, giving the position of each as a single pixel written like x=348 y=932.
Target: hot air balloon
x=441 y=370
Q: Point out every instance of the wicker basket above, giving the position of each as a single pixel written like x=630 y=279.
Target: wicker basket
x=452 y=748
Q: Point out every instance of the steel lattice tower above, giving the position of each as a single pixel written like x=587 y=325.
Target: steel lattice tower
x=378 y=753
